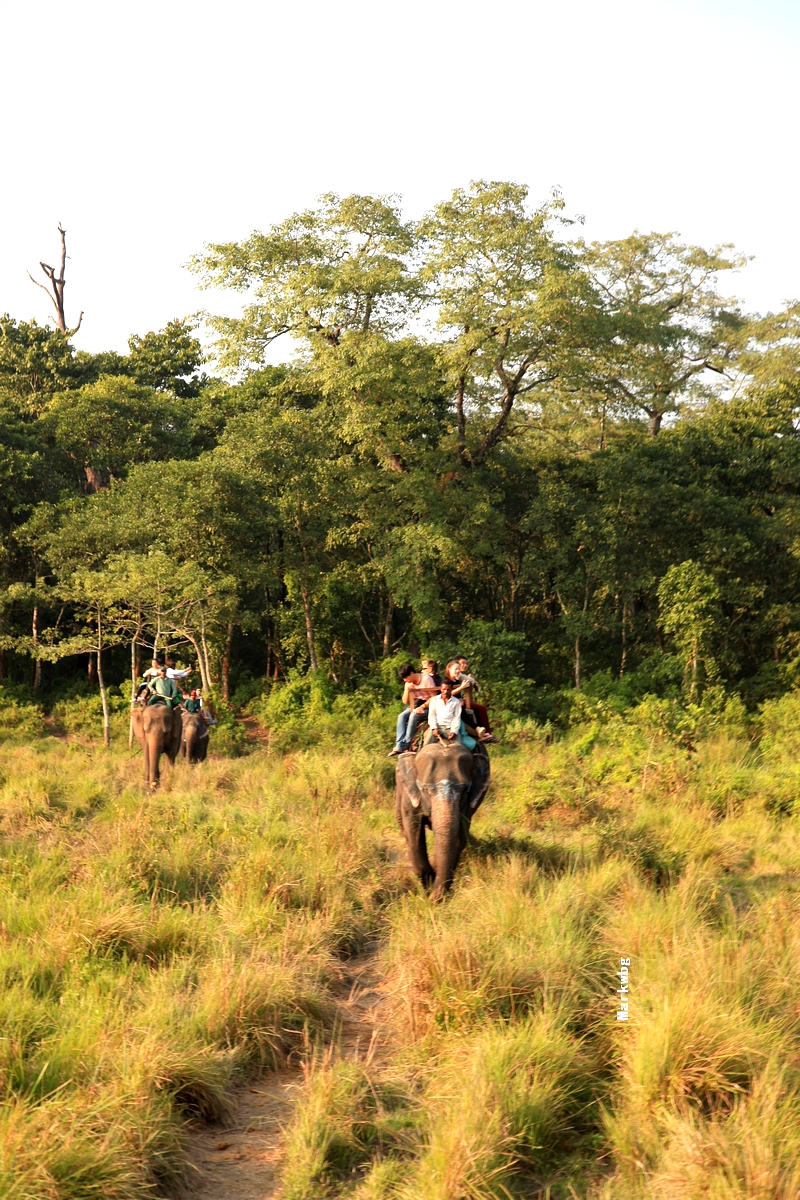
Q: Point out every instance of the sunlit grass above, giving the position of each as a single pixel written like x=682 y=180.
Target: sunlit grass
x=157 y=949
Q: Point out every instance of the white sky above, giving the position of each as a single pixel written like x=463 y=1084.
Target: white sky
x=151 y=128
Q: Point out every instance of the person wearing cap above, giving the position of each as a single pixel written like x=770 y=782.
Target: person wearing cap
x=164 y=690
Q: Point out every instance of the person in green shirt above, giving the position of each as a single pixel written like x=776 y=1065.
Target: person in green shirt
x=193 y=704
x=164 y=690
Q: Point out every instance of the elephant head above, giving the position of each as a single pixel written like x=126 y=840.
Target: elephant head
x=439 y=788
x=194 y=737
x=158 y=730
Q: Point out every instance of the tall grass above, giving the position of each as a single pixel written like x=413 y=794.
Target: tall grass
x=614 y=841
x=155 y=950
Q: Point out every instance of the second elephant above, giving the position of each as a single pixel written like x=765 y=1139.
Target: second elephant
x=194 y=737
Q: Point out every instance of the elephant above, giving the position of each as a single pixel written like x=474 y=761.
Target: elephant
x=194 y=740
x=439 y=788
x=158 y=730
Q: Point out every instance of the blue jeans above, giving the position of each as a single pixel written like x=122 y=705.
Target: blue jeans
x=407 y=724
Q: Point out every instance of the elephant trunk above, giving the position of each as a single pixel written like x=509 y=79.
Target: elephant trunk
x=153 y=755
x=448 y=834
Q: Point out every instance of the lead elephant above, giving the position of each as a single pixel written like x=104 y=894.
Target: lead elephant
x=439 y=788
x=158 y=730
x=194 y=737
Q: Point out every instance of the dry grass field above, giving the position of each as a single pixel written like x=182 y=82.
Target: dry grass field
x=160 y=952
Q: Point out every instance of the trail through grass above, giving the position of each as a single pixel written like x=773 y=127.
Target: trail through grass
x=162 y=954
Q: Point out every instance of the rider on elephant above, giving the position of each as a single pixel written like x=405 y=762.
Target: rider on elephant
x=164 y=690
x=444 y=718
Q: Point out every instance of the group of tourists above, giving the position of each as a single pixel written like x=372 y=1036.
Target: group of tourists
x=447 y=703
x=160 y=685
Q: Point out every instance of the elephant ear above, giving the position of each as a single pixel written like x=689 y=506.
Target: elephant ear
x=137 y=720
x=406 y=776
x=177 y=733
x=481 y=778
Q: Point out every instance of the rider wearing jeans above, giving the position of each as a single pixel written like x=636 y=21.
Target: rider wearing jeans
x=418 y=687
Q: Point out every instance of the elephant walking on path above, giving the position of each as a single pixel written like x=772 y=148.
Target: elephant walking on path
x=194 y=738
x=439 y=788
x=158 y=731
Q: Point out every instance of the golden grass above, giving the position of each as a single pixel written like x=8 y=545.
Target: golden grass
x=156 y=949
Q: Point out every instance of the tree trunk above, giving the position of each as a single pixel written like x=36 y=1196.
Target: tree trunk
x=387 y=630
x=461 y=423
x=204 y=678
x=226 y=663
x=312 y=654
x=578 y=663
x=306 y=593
x=103 y=692
x=134 y=677
x=206 y=655
x=96 y=480
x=92 y=669
x=37 y=669
x=656 y=418
x=624 y=658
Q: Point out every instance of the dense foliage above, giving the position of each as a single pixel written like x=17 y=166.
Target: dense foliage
x=578 y=462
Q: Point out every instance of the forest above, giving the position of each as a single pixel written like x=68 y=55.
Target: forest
x=575 y=462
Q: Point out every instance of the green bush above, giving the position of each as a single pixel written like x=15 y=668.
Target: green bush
x=83 y=716
x=19 y=721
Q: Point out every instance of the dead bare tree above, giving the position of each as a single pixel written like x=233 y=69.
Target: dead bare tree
x=57 y=285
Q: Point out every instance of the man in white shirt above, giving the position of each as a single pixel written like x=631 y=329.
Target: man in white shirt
x=444 y=714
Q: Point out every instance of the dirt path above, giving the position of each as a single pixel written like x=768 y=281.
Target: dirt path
x=242 y=1159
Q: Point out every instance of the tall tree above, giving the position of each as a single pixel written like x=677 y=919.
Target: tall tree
x=57 y=283
x=513 y=300
x=667 y=323
x=340 y=267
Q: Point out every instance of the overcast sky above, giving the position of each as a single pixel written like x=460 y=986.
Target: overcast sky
x=151 y=128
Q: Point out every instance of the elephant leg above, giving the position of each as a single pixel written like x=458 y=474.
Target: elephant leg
x=414 y=830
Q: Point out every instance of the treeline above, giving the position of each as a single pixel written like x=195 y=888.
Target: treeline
x=577 y=461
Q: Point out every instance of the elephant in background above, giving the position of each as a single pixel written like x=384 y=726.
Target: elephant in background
x=439 y=788
x=158 y=731
x=194 y=737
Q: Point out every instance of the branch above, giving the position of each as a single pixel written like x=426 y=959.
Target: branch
x=44 y=289
x=63 y=233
